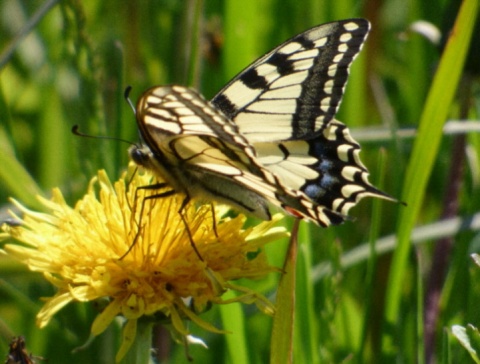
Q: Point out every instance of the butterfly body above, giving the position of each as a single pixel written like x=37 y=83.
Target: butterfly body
x=269 y=137
x=192 y=157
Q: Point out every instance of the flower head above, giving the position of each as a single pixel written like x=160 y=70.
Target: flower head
x=139 y=253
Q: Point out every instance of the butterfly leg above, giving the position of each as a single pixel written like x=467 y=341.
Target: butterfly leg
x=156 y=186
x=185 y=201
x=214 y=220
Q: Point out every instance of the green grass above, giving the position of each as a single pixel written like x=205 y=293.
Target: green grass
x=359 y=297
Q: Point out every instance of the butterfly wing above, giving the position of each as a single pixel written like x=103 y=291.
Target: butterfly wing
x=285 y=105
x=294 y=91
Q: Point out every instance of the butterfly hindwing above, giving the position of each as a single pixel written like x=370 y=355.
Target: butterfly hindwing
x=326 y=168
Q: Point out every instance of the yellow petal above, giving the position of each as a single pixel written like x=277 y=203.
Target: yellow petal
x=52 y=306
x=102 y=321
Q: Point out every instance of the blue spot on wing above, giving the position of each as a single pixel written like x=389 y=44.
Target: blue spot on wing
x=327 y=187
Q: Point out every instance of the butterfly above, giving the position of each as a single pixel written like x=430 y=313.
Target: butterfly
x=269 y=137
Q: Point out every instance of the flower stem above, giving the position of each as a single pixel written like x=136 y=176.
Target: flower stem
x=140 y=350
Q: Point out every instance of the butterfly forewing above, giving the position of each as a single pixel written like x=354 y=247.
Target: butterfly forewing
x=270 y=136
x=198 y=150
x=296 y=89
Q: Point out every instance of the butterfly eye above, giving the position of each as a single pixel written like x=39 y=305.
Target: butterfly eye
x=139 y=155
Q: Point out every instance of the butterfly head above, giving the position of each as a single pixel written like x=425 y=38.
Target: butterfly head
x=140 y=155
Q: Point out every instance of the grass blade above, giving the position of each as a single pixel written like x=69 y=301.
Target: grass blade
x=425 y=151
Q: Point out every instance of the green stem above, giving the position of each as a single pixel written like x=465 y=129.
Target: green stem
x=140 y=351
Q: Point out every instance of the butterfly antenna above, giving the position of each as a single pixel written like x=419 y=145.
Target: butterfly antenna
x=126 y=95
x=83 y=135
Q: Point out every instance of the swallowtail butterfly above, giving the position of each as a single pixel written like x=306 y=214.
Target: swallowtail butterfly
x=269 y=136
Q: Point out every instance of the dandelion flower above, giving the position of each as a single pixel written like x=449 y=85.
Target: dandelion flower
x=137 y=252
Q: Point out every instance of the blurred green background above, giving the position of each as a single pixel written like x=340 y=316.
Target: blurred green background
x=64 y=63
